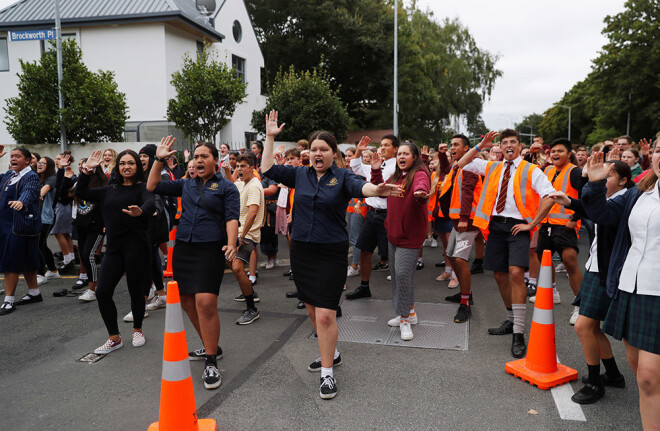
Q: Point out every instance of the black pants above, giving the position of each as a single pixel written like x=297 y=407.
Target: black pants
x=46 y=258
x=132 y=259
x=89 y=241
x=269 y=238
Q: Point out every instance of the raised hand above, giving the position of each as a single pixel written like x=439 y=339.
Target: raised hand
x=442 y=148
x=613 y=154
x=598 y=170
x=164 y=149
x=364 y=143
x=644 y=147
x=271 y=124
x=487 y=142
x=186 y=155
x=93 y=160
x=536 y=148
x=64 y=161
x=425 y=150
x=68 y=172
x=376 y=160
x=133 y=211
x=2 y=150
x=279 y=158
x=280 y=149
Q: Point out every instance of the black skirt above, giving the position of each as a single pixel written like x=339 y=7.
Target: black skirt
x=319 y=271
x=198 y=267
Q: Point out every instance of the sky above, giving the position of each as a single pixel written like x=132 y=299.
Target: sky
x=545 y=47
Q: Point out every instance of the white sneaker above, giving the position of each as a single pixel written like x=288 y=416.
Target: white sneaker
x=427 y=242
x=555 y=298
x=263 y=264
x=41 y=279
x=574 y=315
x=156 y=303
x=52 y=274
x=352 y=272
x=109 y=346
x=138 y=339
x=560 y=267
x=389 y=278
x=406 y=331
x=89 y=296
x=129 y=316
x=397 y=320
x=270 y=264
x=434 y=244
x=152 y=292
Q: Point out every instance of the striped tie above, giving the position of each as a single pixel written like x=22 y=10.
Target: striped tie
x=501 y=199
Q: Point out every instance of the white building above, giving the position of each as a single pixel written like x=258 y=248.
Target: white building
x=143 y=42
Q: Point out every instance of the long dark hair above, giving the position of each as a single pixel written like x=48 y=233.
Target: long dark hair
x=139 y=176
x=417 y=165
x=49 y=171
x=329 y=139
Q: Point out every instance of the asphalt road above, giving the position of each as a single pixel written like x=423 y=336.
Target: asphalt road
x=266 y=384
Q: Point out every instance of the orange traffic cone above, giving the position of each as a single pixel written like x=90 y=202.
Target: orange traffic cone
x=540 y=367
x=170 y=247
x=178 y=411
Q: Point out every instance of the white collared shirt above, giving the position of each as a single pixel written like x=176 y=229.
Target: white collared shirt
x=540 y=184
x=592 y=262
x=643 y=261
x=20 y=175
x=387 y=169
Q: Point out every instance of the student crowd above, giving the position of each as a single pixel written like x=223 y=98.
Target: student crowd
x=508 y=201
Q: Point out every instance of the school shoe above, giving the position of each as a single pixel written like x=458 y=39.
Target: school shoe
x=395 y=321
x=619 y=382
x=109 y=346
x=328 y=388
x=560 y=267
x=300 y=305
x=440 y=264
x=248 y=317
x=80 y=283
x=316 y=365
x=66 y=268
x=406 y=331
x=457 y=298
x=292 y=294
x=462 y=314
x=7 y=308
x=87 y=296
x=453 y=283
x=574 y=315
x=287 y=274
x=129 y=316
x=531 y=288
x=556 y=298
x=211 y=376
x=200 y=354
x=518 y=346
x=419 y=265
x=138 y=339
x=241 y=297
x=360 y=292
x=156 y=303
x=30 y=299
x=380 y=266
x=352 y=272
x=505 y=328
x=589 y=394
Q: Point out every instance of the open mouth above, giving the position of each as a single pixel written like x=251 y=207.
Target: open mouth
x=318 y=162
x=509 y=152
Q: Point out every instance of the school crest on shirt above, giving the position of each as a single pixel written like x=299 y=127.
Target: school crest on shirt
x=333 y=182
x=213 y=186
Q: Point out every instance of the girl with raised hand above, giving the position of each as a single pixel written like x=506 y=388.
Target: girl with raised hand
x=126 y=207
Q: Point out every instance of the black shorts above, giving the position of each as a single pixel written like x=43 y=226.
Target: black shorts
x=246 y=250
x=373 y=233
x=556 y=238
x=503 y=249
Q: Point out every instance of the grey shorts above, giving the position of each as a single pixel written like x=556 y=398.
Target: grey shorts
x=63 y=219
x=245 y=250
x=460 y=243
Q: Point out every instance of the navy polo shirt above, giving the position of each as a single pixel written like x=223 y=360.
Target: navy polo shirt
x=196 y=223
x=319 y=205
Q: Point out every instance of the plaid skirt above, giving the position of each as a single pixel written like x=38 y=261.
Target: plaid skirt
x=637 y=319
x=592 y=298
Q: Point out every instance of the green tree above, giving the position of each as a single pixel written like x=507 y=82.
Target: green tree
x=477 y=127
x=94 y=108
x=529 y=125
x=207 y=93
x=305 y=103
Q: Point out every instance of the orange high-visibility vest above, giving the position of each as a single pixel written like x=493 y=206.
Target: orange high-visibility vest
x=527 y=200
x=353 y=202
x=432 y=198
x=559 y=215
x=179 y=209
x=457 y=195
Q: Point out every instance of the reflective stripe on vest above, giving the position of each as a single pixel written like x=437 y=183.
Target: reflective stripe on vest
x=457 y=197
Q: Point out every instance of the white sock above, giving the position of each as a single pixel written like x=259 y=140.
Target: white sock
x=527 y=275
x=518 y=318
x=554 y=289
x=69 y=258
x=420 y=259
x=453 y=274
x=448 y=268
x=253 y=278
x=336 y=354
x=33 y=292
x=82 y=276
x=9 y=299
x=532 y=280
x=325 y=372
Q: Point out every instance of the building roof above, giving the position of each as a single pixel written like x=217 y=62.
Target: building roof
x=32 y=14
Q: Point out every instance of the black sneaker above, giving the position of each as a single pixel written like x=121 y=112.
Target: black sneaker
x=7 y=308
x=419 y=265
x=29 y=299
x=380 y=266
x=241 y=298
x=200 y=354
x=477 y=268
x=316 y=365
x=211 y=376
x=80 y=283
x=463 y=314
x=457 y=298
x=328 y=388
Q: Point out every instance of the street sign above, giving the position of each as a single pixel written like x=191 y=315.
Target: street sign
x=18 y=36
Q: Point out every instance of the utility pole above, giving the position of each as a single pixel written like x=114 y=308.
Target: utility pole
x=396 y=70
x=569 y=119
x=58 y=32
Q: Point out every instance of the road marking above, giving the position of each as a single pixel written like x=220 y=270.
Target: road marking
x=568 y=410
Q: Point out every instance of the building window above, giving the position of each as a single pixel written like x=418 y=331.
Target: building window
x=237 y=31
x=4 y=55
x=238 y=64
x=65 y=36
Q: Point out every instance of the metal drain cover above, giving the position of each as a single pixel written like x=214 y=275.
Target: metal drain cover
x=365 y=321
